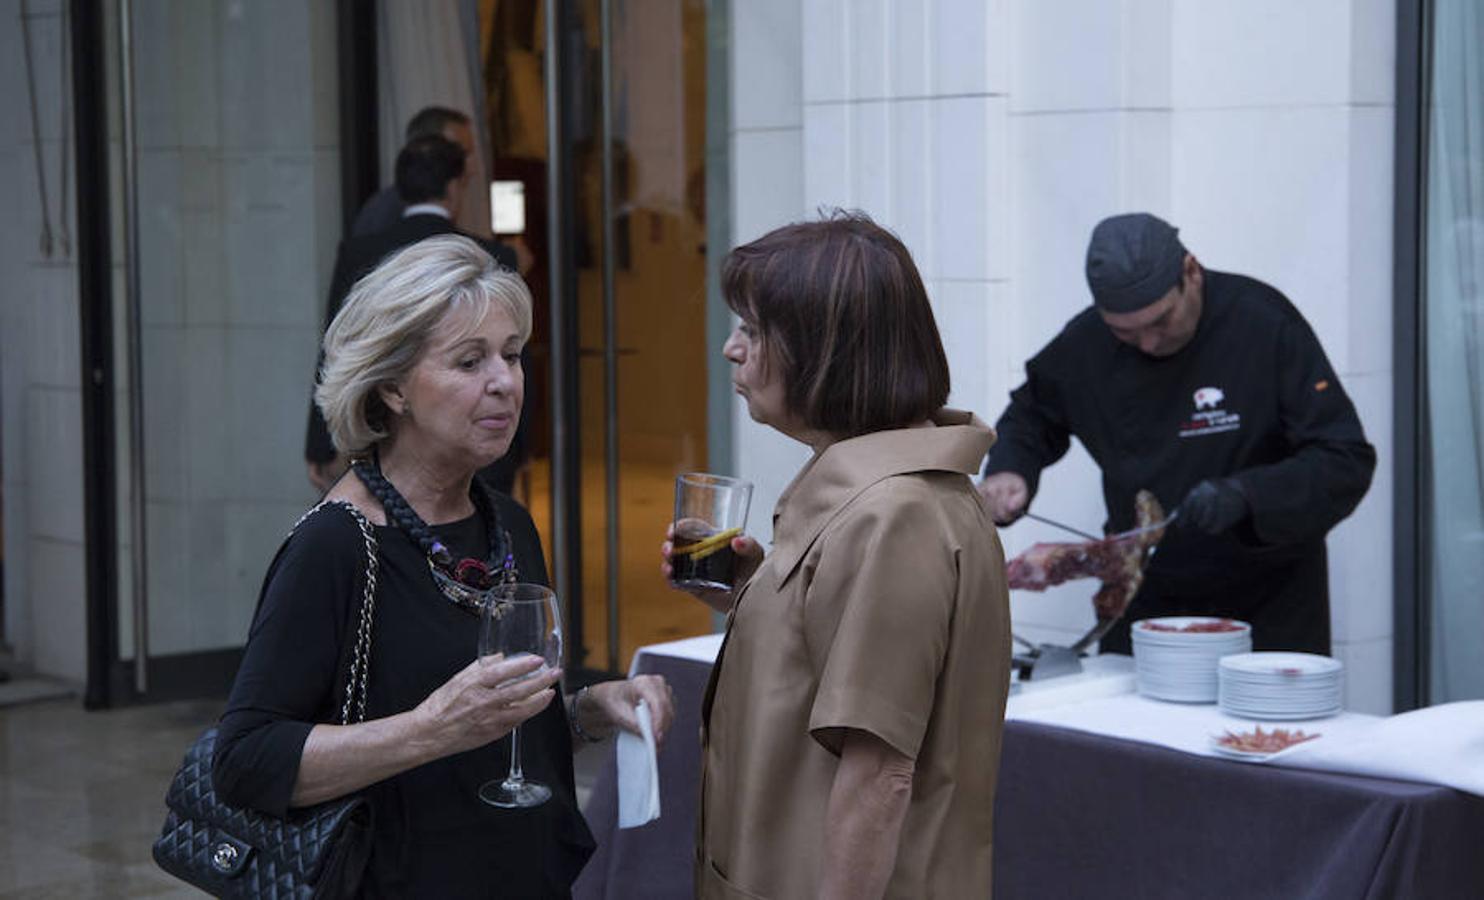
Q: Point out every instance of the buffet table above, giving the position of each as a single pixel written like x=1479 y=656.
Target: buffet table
x=1082 y=814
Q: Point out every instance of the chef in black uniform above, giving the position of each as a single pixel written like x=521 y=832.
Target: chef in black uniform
x=1210 y=390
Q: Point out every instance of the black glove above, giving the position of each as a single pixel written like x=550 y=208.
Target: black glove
x=1214 y=505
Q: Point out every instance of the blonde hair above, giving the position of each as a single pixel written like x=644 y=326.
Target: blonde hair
x=381 y=331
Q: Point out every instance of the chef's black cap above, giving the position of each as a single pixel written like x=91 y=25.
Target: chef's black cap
x=1132 y=261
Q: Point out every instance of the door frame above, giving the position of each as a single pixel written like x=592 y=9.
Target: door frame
x=1412 y=547
x=95 y=307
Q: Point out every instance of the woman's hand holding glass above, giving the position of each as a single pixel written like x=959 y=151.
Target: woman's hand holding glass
x=749 y=555
x=484 y=702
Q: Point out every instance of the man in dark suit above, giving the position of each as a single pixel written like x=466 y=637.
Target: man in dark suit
x=384 y=208
x=430 y=176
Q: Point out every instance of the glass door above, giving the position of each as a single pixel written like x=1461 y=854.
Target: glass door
x=223 y=124
x=1453 y=368
x=631 y=364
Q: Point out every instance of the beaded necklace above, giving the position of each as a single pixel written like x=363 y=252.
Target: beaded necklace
x=467 y=582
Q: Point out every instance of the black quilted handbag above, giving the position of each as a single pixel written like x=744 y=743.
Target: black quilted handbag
x=314 y=852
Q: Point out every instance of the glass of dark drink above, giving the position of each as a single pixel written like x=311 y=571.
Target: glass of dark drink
x=710 y=510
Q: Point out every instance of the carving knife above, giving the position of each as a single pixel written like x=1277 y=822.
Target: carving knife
x=1135 y=532
x=1055 y=524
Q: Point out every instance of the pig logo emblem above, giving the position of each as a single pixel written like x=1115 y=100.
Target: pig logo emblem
x=1208 y=398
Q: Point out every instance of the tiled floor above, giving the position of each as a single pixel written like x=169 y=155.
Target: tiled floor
x=82 y=796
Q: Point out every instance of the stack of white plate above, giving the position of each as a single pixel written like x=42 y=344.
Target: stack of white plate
x=1282 y=686
x=1173 y=663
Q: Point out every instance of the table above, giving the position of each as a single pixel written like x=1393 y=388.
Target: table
x=1079 y=814
x=653 y=861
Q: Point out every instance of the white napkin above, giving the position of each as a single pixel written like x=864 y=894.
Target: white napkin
x=638 y=773
x=1439 y=744
x=1180 y=726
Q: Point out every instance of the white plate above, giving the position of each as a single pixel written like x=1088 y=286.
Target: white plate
x=1244 y=755
x=1141 y=632
x=1276 y=664
x=1255 y=755
x=1275 y=715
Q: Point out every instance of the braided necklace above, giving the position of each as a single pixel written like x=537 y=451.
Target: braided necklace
x=467 y=582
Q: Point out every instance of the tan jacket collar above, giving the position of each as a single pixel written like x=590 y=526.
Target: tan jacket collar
x=836 y=476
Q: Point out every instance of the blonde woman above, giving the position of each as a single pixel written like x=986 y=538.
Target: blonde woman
x=422 y=385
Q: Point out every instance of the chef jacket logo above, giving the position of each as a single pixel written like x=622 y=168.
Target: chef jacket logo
x=1208 y=398
x=1209 y=416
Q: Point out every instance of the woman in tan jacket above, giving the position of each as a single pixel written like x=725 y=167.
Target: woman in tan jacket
x=852 y=725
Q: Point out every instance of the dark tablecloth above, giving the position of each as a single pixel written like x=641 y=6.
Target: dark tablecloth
x=1081 y=815
x=653 y=861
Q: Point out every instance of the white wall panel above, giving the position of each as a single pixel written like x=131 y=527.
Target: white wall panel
x=1360 y=559
x=767 y=64
x=910 y=49
x=264 y=60
x=221 y=426
x=1069 y=60
x=53 y=462
x=266 y=371
x=18 y=548
x=15 y=116
x=1065 y=179
x=158 y=76
x=827 y=50
x=168 y=384
x=266 y=220
x=161 y=301
x=1373 y=52
x=57 y=639
x=1245 y=53
x=1147 y=65
x=1145 y=159
x=55 y=357
x=1265 y=192
x=963 y=310
x=1368 y=681
x=869 y=60
x=46 y=43
x=768 y=181
x=1371 y=201
x=970 y=198
x=969 y=47
x=911 y=183
x=827 y=163
x=26 y=200
x=203 y=277
x=172 y=608
x=871 y=170
x=203 y=602
x=15 y=229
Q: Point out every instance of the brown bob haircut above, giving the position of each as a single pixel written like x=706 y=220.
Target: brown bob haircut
x=840 y=307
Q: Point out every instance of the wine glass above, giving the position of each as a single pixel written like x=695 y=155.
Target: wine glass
x=519 y=620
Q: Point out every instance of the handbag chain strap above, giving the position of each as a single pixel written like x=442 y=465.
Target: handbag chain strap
x=360 y=661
